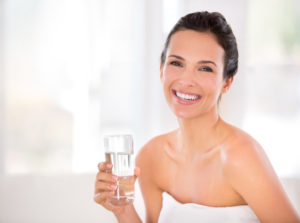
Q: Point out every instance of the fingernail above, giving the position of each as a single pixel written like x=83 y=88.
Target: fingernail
x=109 y=165
x=115 y=178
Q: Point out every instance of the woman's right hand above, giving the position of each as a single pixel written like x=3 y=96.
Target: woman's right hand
x=105 y=186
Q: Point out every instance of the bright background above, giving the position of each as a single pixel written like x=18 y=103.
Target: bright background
x=72 y=71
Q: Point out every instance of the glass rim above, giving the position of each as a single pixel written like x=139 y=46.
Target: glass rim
x=118 y=143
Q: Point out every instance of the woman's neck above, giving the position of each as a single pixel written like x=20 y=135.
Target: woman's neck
x=199 y=133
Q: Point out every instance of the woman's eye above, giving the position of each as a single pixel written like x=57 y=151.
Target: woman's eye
x=175 y=63
x=206 y=69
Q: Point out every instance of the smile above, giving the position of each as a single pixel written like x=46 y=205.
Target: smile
x=186 y=98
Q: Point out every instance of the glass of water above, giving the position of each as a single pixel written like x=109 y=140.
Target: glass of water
x=119 y=152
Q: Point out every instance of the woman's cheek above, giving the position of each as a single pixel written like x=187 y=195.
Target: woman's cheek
x=173 y=71
x=210 y=81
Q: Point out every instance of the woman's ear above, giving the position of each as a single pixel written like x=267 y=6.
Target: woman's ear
x=227 y=84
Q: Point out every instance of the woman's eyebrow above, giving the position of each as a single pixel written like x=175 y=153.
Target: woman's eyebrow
x=207 y=61
x=201 y=61
x=178 y=57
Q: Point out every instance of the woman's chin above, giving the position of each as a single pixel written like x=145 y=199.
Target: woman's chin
x=185 y=114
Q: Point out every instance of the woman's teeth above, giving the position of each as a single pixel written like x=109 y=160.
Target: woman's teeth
x=186 y=96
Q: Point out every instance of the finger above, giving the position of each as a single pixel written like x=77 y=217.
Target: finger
x=101 y=197
x=106 y=177
x=111 y=207
x=103 y=186
x=103 y=166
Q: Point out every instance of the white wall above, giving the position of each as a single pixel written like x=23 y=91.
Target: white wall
x=2 y=117
x=50 y=199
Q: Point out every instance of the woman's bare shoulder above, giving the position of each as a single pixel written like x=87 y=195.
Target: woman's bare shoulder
x=243 y=159
x=250 y=173
x=153 y=147
x=240 y=146
x=242 y=154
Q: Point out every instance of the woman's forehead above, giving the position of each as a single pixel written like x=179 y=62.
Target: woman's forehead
x=196 y=45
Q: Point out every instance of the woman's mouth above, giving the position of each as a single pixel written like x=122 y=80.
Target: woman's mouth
x=186 y=98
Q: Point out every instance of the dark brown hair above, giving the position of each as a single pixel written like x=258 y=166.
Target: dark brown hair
x=216 y=24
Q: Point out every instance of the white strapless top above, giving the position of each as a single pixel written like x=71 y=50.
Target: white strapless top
x=175 y=212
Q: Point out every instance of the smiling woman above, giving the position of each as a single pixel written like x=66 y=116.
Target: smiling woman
x=206 y=162
x=193 y=65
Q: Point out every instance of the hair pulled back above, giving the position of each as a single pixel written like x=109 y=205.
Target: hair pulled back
x=216 y=24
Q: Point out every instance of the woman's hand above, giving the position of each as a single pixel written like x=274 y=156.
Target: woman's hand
x=105 y=186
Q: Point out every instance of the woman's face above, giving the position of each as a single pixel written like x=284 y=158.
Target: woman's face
x=192 y=75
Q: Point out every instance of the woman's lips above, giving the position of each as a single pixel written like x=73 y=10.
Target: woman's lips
x=185 y=98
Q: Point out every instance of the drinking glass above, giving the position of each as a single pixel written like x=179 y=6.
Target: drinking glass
x=119 y=152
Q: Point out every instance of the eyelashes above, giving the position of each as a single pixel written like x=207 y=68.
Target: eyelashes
x=202 y=68
x=175 y=63
x=206 y=69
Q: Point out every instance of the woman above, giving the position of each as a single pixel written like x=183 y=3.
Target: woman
x=206 y=161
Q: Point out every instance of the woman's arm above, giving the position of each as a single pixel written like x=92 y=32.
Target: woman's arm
x=128 y=215
x=152 y=194
x=252 y=176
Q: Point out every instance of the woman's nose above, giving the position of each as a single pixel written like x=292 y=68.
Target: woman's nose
x=187 y=78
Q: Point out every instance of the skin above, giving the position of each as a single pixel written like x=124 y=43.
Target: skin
x=205 y=161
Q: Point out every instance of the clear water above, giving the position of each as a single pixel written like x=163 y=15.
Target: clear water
x=123 y=167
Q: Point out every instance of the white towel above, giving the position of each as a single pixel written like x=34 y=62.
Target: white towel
x=175 y=212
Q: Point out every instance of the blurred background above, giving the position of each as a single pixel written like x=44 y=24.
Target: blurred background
x=72 y=71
